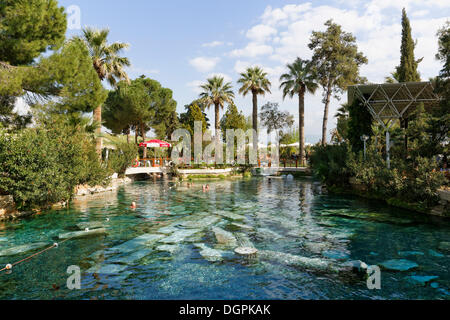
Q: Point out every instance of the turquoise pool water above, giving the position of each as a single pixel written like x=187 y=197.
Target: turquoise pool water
x=168 y=247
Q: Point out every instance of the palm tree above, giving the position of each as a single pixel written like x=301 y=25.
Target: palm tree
x=108 y=64
x=298 y=80
x=217 y=93
x=254 y=80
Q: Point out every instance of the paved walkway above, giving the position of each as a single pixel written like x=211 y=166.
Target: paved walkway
x=265 y=170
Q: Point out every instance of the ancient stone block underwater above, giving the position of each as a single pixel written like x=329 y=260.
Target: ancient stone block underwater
x=180 y=244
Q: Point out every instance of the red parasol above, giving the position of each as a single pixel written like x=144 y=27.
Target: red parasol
x=155 y=144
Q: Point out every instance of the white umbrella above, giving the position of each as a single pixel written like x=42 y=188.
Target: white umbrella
x=290 y=145
x=296 y=145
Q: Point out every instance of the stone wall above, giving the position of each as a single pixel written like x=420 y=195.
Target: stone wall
x=84 y=190
x=7 y=207
x=357 y=186
x=443 y=209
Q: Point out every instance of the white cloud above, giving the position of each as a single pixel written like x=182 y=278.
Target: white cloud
x=380 y=5
x=282 y=34
x=272 y=16
x=252 y=50
x=420 y=13
x=281 y=16
x=241 y=66
x=225 y=77
x=424 y=31
x=204 y=64
x=195 y=86
x=261 y=33
x=377 y=31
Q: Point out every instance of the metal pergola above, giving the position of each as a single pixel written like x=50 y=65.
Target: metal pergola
x=390 y=102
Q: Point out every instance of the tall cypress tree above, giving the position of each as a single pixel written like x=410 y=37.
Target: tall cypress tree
x=407 y=70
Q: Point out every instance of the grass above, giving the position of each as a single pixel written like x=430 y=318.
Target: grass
x=217 y=176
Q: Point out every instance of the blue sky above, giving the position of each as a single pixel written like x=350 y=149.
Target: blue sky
x=181 y=43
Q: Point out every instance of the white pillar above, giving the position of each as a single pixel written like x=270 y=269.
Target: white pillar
x=388 y=147
x=365 y=150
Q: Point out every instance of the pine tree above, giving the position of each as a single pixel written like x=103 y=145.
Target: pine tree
x=193 y=113
x=232 y=119
x=29 y=28
x=336 y=61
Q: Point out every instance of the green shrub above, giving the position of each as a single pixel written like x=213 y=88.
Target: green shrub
x=121 y=158
x=42 y=166
x=330 y=163
x=374 y=174
x=422 y=185
x=247 y=174
x=404 y=181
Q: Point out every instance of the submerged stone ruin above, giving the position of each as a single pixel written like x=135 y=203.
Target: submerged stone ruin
x=231 y=233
